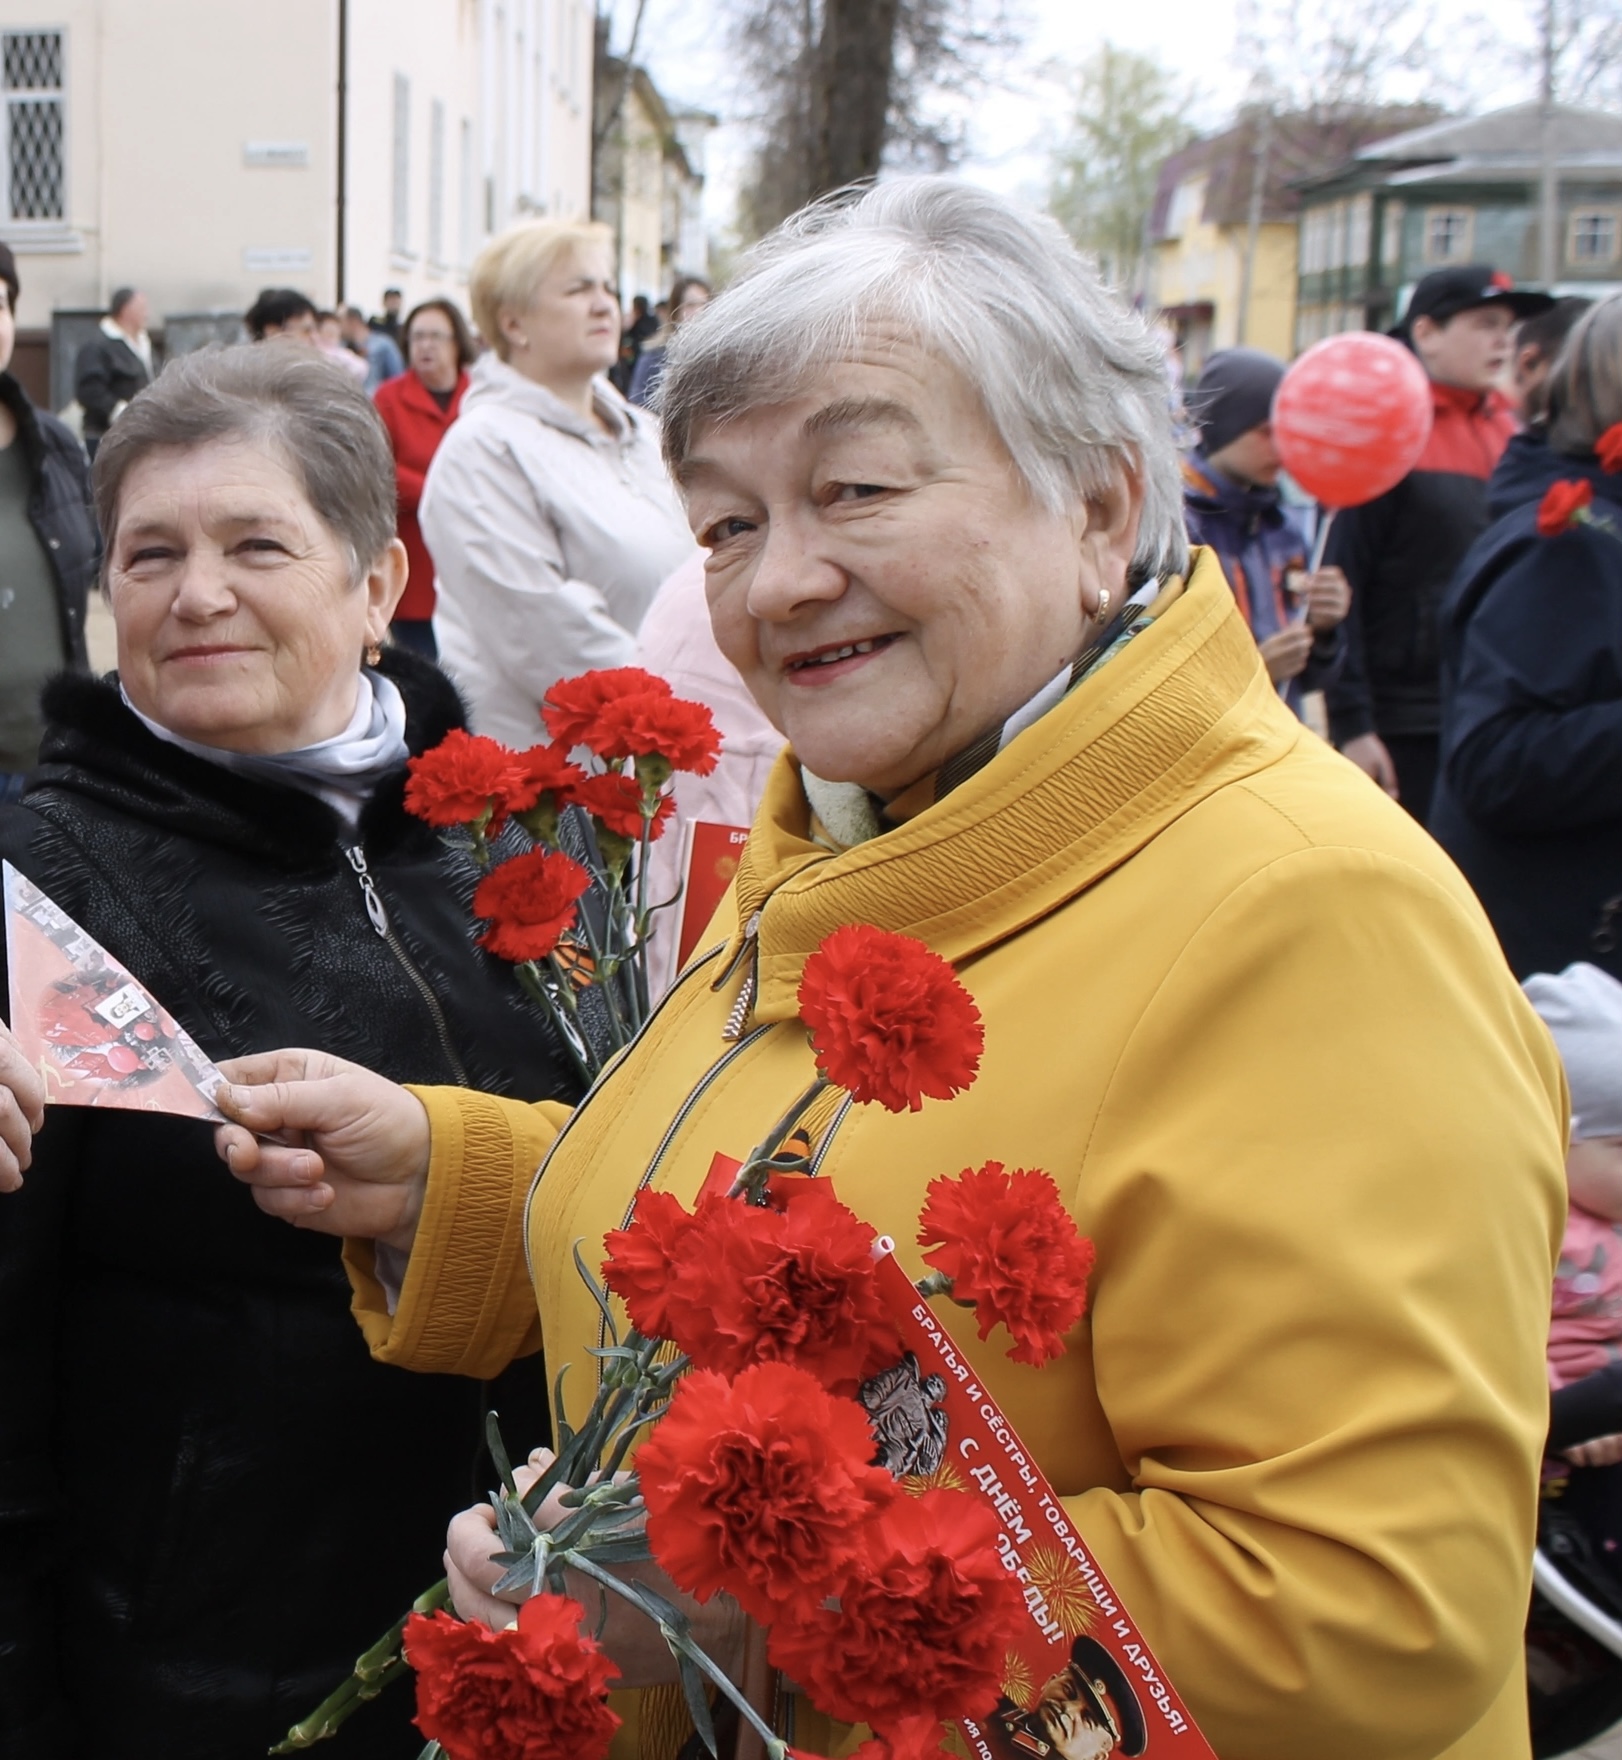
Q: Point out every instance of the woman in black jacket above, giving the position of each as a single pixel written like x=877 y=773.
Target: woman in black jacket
x=48 y=552
x=1529 y=803
x=187 y=1412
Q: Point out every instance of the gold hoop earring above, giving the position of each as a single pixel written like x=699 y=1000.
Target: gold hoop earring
x=374 y=653
x=1101 y=610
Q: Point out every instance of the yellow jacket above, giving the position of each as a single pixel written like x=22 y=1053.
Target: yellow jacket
x=1253 y=1022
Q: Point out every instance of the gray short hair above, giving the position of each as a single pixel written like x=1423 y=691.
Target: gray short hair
x=280 y=395
x=1073 y=381
x=1585 y=384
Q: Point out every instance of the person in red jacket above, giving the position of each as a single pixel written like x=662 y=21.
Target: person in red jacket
x=417 y=408
x=1400 y=550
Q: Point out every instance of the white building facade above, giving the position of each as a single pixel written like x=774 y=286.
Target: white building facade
x=202 y=151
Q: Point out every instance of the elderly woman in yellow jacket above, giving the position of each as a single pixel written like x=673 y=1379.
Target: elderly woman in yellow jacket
x=1237 y=1003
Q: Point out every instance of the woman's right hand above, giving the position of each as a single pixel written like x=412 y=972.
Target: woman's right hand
x=22 y=1111
x=351 y=1155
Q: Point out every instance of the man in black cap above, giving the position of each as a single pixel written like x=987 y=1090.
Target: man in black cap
x=1231 y=501
x=1088 y=1711
x=1400 y=550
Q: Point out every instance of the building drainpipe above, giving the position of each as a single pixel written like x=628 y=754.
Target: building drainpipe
x=343 y=149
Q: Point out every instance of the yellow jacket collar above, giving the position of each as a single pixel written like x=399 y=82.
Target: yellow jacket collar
x=1186 y=708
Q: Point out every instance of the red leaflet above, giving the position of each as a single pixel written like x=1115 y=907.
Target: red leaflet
x=615 y=801
x=529 y=902
x=1562 y=505
x=533 y=1692
x=1013 y=1251
x=463 y=779
x=889 y=1019
x=1608 y=449
x=922 y=1624
x=760 y=1488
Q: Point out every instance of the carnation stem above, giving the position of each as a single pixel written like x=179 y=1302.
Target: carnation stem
x=937 y=1283
x=752 y=1176
x=680 y=1644
x=373 y=1671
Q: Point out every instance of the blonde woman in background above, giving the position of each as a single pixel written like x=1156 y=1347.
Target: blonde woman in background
x=548 y=512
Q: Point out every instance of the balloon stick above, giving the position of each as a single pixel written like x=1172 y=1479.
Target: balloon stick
x=1323 y=538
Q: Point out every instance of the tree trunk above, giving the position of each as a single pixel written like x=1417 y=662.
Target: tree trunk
x=856 y=59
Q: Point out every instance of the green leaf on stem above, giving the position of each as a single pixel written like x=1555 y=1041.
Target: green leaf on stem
x=498 y=1453
x=698 y=1703
x=598 y=1295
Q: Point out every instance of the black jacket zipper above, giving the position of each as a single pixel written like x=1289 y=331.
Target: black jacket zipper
x=380 y=922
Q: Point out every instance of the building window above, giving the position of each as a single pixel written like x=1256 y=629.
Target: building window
x=35 y=165
x=1359 y=222
x=1593 y=238
x=1449 y=234
x=436 y=182
x=400 y=230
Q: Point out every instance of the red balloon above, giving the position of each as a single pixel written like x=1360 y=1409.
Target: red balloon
x=1351 y=417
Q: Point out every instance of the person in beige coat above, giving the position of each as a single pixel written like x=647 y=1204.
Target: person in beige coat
x=548 y=512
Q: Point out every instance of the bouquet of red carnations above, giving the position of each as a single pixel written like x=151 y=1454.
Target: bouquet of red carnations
x=576 y=925
x=757 y=1376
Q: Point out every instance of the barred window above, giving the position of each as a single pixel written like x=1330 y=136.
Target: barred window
x=400 y=231
x=436 y=181
x=1593 y=236
x=1449 y=234
x=34 y=167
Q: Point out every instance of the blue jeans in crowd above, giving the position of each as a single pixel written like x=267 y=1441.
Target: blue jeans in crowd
x=11 y=785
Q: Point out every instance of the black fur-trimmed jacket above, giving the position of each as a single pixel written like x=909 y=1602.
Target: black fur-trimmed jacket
x=211 y=1498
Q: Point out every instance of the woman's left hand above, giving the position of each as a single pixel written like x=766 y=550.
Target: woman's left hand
x=630 y=1637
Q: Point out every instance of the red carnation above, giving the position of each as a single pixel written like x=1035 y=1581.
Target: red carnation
x=1012 y=1251
x=671 y=730
x=760 y=1487
x=922 y=1626
x=792 y=1282
x=641 y=1264
x=533 y=1692
x=889 y=1019
x=1562 y=506
x=1608 y=449
x=615 y=801
x=529 y=902
x=573 y=704
x=544 y=770
x=464 y=780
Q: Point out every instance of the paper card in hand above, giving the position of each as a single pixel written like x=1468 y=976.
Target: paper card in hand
x=94 y=1033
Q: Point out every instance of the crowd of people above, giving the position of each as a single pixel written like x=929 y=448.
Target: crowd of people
x=906 y=498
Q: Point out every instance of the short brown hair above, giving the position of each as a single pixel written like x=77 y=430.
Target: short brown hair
x=281 y=395
x=1585 y=385
x=512 y=265
x=466 y=350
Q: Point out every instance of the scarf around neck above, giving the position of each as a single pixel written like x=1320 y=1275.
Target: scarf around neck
x=343 y=770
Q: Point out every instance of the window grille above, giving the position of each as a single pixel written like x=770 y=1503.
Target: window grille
x=35 y=165
x=1593 y=236
x=400 y=232
x=436 y=182
x=1448 y=235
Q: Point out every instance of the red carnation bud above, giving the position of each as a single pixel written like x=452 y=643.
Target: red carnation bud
x=1562 y=506
x=530 y=902
x=536 y=1691
x=889 y=1019
x=760 y=1487
x=1608 y=449
x=1012 y=1251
